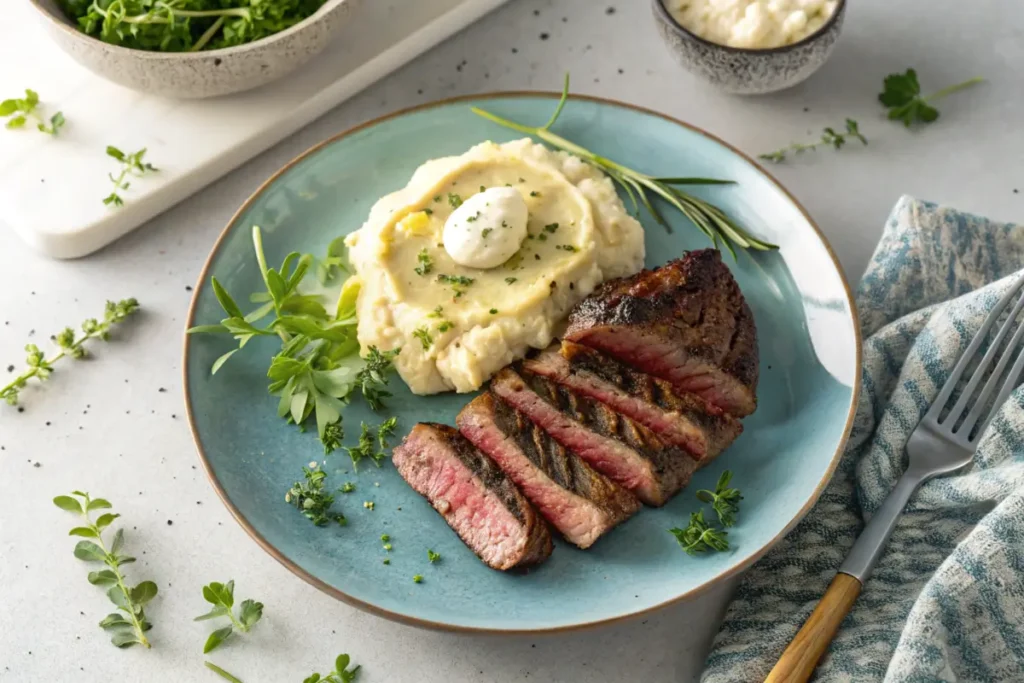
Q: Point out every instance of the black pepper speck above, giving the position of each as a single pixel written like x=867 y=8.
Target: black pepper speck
x=544 y=36
x=162 y=390
x=188 y=288
x=170 y=523
x=10 y=368
x=610 y=10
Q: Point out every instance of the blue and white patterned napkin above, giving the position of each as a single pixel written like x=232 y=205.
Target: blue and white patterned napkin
x=946 y=602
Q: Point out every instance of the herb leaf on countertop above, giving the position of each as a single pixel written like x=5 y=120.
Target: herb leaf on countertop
x=41 y=367
x=222 y=597
x=341 y=673
x=131 y=165
x=21 y=110
x=829 y=136
x=222 y=673
x=707 y=217
x=901 y=95
x=129 y=628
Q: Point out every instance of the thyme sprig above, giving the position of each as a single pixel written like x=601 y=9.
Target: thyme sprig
x=708 y=218
x=829 y=136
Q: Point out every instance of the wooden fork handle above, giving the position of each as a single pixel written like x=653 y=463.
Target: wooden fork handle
x=801 y=656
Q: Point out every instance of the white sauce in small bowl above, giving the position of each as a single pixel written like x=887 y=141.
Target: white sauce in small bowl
x=752 y=24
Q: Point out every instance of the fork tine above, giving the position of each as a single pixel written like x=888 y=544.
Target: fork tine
x=982 y=400
x=968 y=354
x=993 y=350
x=1008 y=386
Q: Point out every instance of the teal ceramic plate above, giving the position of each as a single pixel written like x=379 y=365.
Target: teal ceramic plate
x=810 y=361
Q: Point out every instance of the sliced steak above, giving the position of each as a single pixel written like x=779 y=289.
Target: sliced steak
x=686 y=322
x=474 y=496
x=625 y=451
x=578 y=501
x=679 y=418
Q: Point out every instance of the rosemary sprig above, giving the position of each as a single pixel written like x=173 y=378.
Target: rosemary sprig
x=708 y=218
x=829 y=136
x=40 y=367
x=130 y=630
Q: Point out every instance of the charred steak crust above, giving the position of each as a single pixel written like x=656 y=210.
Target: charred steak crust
x=693 y=301
x=563 y=467
x=717 y=427
x=534 y=548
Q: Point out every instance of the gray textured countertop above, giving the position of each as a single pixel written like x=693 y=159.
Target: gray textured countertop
x=114 y=425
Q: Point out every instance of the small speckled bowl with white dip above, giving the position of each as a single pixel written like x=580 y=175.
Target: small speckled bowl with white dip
x=739 y=68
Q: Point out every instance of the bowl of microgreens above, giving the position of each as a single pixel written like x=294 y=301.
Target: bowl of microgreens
x=192 y=48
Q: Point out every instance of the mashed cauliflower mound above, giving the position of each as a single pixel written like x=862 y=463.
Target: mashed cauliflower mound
x=457 y=326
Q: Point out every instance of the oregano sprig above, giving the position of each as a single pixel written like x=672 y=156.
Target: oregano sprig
x=829 y=136
x=699 y=537
x=21 y=110
x=129 y=624
x=311 y=498
x=341 y=673
x=131 y=165
x=222 y=597
x=70 y=344
x=724 y=500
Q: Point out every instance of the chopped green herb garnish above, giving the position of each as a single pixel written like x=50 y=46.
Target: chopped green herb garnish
x=387 y=560
x=426 y=264
x=365 y=448
x=534 y=193
x=551 y=227
x=472 y=219
x=385 y=431
x=444 y=326
x=543 y=237
x=566 y=247
x=482 y=188
x=459 y=283
x=437 y=198
x=428 y=211
x=433 y=557
x=510 y=280
x=385 y=538
x=417 y=579
x=486 y=231
x=347 y=487
x=423 y=335
x=522 y=180
x=494 y=311
x=368 y=504
x=310 y=498
x=454 y=200
x=437 y=313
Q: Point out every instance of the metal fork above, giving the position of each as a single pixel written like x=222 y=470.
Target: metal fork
x=938 y=445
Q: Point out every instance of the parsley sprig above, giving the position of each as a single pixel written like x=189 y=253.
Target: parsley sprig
x=311 y=498
x=222 y=597
x=829 y=137
x=318 y=368
x=131 y=165
x=700 y=536
x=341 y=673
x=901 y=95
x=21 y=110
x=129 y=628
x=708 y=218
x=70 y=344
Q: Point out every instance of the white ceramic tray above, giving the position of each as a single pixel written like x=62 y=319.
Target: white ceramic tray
x=51 y=190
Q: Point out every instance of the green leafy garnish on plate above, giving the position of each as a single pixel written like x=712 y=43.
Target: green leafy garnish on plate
x=310 y=497
x=222 y=597
x=708 y=218
x=699 y=537
x=128 y=625
x=724 y=500
x=902 y=97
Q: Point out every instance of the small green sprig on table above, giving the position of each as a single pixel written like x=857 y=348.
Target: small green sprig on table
x=902 y=98
x=130 y=629
x=829 y=136
x=318 y=369
x=222 y=597
x=231 y=678
x=700 y=536
x=341 y=673
x=131 y=165
x=21 y=110
x=70 y=344
x=708 y=218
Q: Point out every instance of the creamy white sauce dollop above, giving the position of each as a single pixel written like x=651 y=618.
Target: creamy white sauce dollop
x=487 y=229
x=752 y=24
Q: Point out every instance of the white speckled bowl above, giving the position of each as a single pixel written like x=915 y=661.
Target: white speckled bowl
x=745 y=71
x=193 y=75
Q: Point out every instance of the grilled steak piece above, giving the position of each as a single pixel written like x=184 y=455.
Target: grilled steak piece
x=679 y=418
x=579 y=502
x=625 y=451
x=686 y=322
x=474 y=496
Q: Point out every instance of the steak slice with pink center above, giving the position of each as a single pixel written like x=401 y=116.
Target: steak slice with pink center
x=578 y=501
x=474 y=496
x=618 y=447
x=686 y=322
x=682 y=419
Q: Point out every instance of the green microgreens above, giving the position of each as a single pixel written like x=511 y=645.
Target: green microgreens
x=41 y=367
x=318 y=369
x=433 y=557
x=901 y=96
x=126 y=630
x=222 y=597
x=185 y=25
x=708 y=218
x=426 y=264
x=829 y=136
x=724 y=500
x=131 y=165
x=311 y=498
x=20 y=111
x=341 y=673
